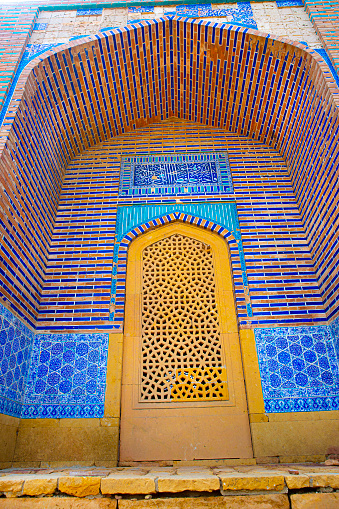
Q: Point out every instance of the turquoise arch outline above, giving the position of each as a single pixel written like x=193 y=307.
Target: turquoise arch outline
x=222 y=214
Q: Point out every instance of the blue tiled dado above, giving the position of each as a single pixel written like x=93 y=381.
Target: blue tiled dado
x=298 y=368
x=64 y=375
x=334 y=328
x=16 y=342
x=67 y=376
x=56 y=375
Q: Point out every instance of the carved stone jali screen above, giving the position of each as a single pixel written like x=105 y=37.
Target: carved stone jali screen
x=181 y=346
x=183 y=394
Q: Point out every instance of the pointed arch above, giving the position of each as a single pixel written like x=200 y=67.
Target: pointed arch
x=118 y=290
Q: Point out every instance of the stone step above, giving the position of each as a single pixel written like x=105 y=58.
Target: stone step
x=258 y=487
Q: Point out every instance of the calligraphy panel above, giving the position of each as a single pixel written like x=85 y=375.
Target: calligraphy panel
x=180 y=173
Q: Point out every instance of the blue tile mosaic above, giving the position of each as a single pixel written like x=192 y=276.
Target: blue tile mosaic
x=40 y=26
x=298 y=368
x=289 y=3
x=242 y=14
x=31 y=52
x=107 y=28
x=193 y=173
x=141 y=8
x=89 y=12
x=50 y=375
x=67 y=376
x=334 y=328
x=16 y=342
x=76 y=37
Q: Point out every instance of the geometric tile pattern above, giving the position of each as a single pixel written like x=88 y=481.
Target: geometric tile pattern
x=142 y=8
x=40 y=26
x=50 y=375
x=15 y=348
x=67 y=376
x=289 y=3
x=241 y=15
x=334 y=328
x=89 y=12
x=191 y=173
x=298 y=368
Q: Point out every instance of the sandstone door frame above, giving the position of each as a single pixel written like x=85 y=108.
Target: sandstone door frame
x=143 y=419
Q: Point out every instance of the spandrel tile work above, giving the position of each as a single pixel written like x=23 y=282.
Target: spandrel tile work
x=127 y=127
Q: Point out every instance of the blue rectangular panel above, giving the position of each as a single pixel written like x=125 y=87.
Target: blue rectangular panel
x=176 y=173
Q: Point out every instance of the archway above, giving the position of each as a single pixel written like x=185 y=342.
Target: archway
x=236 y=79
x=183 y=394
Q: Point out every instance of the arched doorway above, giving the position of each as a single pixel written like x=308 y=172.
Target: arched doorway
x=183 y=394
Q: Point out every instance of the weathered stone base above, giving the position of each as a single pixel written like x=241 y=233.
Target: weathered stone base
x=315 y=501
x=277 y=501
x=243 y=487
x=57 y=503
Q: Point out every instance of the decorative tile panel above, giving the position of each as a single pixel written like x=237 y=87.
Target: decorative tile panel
x=299 y=369
x=67 y=376
x=289 y=3
x=141 y=8
x=40 y=26
x=242 y=14
x=50 y=375
x=193 y=173
x=334 y=328
x=15 y=349
x=89 y=12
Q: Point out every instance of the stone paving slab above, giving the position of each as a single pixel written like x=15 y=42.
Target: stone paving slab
x=57 y=503
x=239 y=502
x=314 y=501
x=95 y=482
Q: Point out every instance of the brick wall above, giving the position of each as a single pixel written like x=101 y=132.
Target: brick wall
x=93 y=94
x=324 y=15
x=16 y=25
x=282 y=282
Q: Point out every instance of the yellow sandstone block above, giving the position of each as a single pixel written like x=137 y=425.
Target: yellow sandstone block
x=132 y=483
x=315 y=501
x=260 y=482
x=57 y=503
x=79 y=486
x=10 y=487
x=188 y=482
x=296 y=482
x=325 y=480
x=230 y=502
x=36 y=487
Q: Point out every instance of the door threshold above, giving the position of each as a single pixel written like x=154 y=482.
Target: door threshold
x=229 y=462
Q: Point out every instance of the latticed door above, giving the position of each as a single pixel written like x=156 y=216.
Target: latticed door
x=182 y=358
x=182 y=392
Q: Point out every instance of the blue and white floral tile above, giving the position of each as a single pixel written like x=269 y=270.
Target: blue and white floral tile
x=67 y=376
x=15 y=350
x=298 y=368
